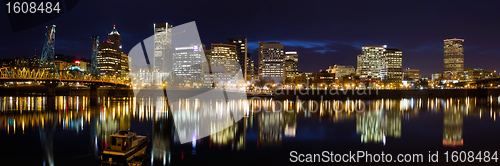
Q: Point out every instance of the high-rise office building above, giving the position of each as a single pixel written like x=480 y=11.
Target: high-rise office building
x=369 y=62
x=108 y=59
x=163 y=43
x=187 y=65
x=392 y=66
x=115 y=37
x=124 y=65
x=224 y=55
x=109 y=56
x=453 y=57
x=291 y=66
x=223 y=67
x=271 y=56
x=292 y=55
x=250 y=68
x=241 y=52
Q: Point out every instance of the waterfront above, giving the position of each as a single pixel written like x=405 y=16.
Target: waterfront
x=72 y=132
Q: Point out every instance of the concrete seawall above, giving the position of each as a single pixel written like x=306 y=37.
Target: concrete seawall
x=279 y=94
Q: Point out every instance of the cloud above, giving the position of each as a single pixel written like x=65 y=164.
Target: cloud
x=325 y=51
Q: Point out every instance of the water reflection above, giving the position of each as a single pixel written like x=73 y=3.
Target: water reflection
x=375 y=120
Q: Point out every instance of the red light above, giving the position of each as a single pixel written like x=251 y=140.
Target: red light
x=77 y=62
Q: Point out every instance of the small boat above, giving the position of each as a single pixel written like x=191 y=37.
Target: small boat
x=124 y=146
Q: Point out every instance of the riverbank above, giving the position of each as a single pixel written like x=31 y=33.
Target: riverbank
x=379 y=94
x=39 y=90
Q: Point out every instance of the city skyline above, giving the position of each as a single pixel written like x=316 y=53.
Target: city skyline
x=422 y=47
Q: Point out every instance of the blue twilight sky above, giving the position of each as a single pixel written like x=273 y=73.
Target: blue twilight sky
x=323 y=32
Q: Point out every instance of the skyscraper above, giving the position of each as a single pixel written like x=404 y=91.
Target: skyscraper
x=291 y=66
x=124 y=65
x=110 y=59
x=223 y=67
x=369 y=62
x=250 y=68
x=224 y=55
x=241 y=52
x=187 y=65
x=163 y=43
x=271 y=57
x=115 y=37
x=453 y=57
x=392 y=66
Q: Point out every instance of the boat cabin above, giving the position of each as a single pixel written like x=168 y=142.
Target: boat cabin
x=123 y=141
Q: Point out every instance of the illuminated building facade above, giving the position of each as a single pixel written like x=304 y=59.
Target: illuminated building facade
x=291 y=66
x=437 y=76
x=163 y=43
x=250 y=69
x=124 y=64
x=369 y=62
x=304 y=78
x=108 y=59
x=411 y=75
x=453 y=57
x=187 y=65
x=224 y=55
x=111 y=61
x=340 y=71
x=392 y=65
x=271 y=58
x=241 y=52
x=323 y=79
x=223 y=66
x=473 y=74
x=292 y=55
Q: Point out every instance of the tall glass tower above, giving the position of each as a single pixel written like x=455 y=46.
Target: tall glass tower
x=163 y=43
x=453 y=56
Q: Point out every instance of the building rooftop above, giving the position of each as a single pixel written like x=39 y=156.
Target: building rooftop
x=114 y=31
x=453 y=39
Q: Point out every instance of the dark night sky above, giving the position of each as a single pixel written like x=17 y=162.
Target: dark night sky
x=323 y=32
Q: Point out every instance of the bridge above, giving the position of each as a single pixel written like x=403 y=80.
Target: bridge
x=47 y=72
x=487 y=82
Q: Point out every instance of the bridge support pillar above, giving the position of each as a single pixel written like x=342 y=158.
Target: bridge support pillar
x=51 y=88
x=93 y=93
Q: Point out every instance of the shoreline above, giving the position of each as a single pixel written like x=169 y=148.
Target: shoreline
x=278 y=95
